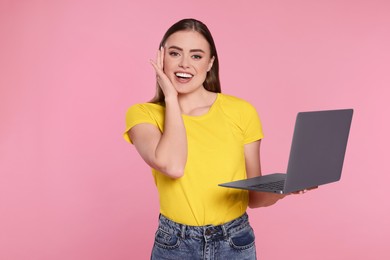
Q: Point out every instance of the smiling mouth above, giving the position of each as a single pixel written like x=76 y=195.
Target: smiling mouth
x=183 y=75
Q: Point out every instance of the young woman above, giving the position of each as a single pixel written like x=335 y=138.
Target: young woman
x=193 y=137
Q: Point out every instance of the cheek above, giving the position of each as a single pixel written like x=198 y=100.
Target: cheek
x=204 y=67
x=168 y=63
x=168 y=68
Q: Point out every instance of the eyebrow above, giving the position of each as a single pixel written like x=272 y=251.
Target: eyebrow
x=181 y=49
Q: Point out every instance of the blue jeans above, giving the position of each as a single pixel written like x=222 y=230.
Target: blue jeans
x=232 y=240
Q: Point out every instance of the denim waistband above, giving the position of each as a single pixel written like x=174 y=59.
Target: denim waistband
x=209 y=231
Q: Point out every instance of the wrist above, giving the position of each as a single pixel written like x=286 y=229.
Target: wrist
x=171 y=98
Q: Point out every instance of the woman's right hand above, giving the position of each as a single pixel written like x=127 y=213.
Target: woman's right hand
x=162 y=79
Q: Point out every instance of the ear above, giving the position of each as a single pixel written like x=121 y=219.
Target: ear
x=211 y=63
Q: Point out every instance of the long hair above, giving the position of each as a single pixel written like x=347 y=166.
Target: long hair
x=211 y=82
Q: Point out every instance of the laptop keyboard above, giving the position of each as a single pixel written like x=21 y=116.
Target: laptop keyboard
x=277 y=185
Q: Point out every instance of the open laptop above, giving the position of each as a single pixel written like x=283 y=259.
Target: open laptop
x=316 y=156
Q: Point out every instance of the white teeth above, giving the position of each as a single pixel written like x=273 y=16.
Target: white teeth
x=183 y=75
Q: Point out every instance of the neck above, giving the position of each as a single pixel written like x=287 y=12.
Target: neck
x=196 y=104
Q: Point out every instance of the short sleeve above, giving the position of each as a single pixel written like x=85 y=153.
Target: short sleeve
x=253 y=130
x=143 y=113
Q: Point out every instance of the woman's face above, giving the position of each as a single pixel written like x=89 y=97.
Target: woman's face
x=187 y=60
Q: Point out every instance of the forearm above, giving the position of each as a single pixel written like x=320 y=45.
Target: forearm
x=263 y=199
x=171 y=151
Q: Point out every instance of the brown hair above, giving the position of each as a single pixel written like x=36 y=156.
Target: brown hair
x=211 y=82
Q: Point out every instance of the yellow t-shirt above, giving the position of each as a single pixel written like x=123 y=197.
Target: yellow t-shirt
x=215 y=155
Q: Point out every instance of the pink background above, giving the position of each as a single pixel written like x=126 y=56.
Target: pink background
x=72 y=188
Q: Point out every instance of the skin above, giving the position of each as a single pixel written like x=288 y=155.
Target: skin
x=186 y=53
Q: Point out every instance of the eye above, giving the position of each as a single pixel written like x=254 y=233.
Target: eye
x=173 y=53
x=196 y=57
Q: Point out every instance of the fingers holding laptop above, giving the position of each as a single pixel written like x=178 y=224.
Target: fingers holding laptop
x=305 y=190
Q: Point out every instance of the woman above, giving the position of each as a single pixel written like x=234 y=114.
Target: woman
x=193 y=137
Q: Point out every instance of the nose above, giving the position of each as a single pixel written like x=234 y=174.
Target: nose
x=184 y=62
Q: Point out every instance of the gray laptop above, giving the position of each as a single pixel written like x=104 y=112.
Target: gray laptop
x=316 y=156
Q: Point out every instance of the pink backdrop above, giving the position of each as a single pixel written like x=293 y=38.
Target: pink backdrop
x=72 y=188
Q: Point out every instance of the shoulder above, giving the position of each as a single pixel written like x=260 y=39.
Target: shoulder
x=236 y=103
x=145 y=108
x=144 y=113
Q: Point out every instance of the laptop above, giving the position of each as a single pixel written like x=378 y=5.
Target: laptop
x=316 y=157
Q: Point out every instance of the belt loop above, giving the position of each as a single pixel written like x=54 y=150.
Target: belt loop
x=183 y=231
x=224 y=231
